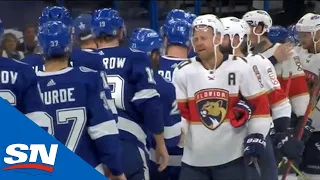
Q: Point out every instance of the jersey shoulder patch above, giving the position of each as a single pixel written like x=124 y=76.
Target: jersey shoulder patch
x=85 y=69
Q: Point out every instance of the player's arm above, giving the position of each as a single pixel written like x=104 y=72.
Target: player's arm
x=260 y=122
x=102 y=127
x=298 y=90
x=279 y=103
x=32 y=105
x=180 y=83
x=146 y=97
x=251 y=90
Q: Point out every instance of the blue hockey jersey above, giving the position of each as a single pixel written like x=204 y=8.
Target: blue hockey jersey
x=79 y=57
x=172 y=117
x=87 y=58
x=18 y=85
x=167 y=65
x=133 y=89
x=82 y=120
x=36 y=61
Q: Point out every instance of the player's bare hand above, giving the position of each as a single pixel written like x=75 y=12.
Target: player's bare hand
x=121 y=177
x=162 y=157
x=283 y=52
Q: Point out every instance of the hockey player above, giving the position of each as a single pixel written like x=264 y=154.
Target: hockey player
x=235 y=42
x=260 y=23
x=176 y=45
x=54 y=13
x=217 y=145
x=19 y=86
x=134 y=93
x=309 y=49
x=76 y=99
x=86 y=54
x=149 y=41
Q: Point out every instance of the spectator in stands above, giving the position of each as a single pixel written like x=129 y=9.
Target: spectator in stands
x=9 y=47
x=29 y=39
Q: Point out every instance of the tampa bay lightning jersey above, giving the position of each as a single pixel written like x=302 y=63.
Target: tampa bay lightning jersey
x=87 y=58
x=171 y=114
x=79 y=57
x=18 y=85
x=36 y=61
x=167 y=65
x=133 y=89
x=82 y=120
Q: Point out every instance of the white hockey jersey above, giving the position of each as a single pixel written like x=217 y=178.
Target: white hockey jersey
x=298 y=91
x=311 y=66
x=279 y=103
x=205 y=99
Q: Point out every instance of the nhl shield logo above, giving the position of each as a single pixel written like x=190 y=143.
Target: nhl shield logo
x=212 y=105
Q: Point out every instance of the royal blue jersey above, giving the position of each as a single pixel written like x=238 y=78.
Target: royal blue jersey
x=18 y=85
x=133 y=89
x=82 y=120
x=36 y=61
x=172 y=117
x=167 y=65
x=79 y=57
x=87 y=58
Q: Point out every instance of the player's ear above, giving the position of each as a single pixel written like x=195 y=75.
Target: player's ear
x=121 y=34
x=155 y=56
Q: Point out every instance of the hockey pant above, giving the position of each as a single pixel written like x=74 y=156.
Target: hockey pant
x=135 y=161
x=234 y=170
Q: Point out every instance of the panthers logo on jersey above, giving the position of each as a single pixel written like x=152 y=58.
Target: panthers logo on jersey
x=212 y=105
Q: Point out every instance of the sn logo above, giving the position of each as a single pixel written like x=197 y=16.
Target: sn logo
x=18 y=157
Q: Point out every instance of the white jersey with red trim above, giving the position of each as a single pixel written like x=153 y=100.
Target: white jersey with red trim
x=279 y=103
x=298 y=91
x=311 y=66
x=205 y=99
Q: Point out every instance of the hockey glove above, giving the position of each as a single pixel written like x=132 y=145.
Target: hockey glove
x=242 y=112
x=254 y=145
x=288 y=146
x=308 y=128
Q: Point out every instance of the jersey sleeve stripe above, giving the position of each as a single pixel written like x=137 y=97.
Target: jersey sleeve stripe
x=172 y=131
x=145 y=94
x=255 y=95
x=103 y=129
x=133 y=128
x=112 y=106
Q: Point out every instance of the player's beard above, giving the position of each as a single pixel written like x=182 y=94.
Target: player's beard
x=226 y=49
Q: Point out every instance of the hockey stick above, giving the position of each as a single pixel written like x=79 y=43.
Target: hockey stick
x=296 y=170
x=312 y=102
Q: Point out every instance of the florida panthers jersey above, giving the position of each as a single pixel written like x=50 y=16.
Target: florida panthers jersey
x=167 y=65
x=311 y=67
x=36 y=61
x=298 y=91
x=82 y=120
x=266 y=74
x=205 y=99
x=19 y=86
x=133 y=89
